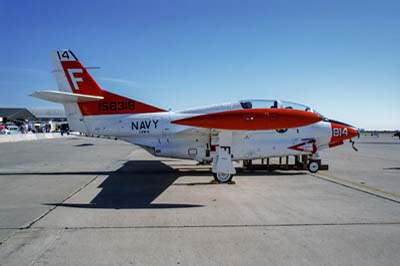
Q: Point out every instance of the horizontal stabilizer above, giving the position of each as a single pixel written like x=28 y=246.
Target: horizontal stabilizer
x=65 y=97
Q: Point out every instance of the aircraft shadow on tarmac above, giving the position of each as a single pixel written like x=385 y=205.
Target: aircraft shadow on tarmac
x=137 y=184
x=391 y=168
x=134 y=186
x=84 y=145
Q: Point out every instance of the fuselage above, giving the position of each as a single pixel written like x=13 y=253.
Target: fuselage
x=156 y=133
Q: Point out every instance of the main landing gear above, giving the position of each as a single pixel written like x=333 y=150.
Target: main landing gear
x=222 y=166
x=223 y=177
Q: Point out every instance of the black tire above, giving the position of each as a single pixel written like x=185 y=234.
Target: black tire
x=313 y=166
x=222 y=177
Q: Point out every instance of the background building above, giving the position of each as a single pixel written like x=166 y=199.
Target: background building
x=37 y=119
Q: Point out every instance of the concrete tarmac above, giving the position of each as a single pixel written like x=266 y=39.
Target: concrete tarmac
x=87 y=201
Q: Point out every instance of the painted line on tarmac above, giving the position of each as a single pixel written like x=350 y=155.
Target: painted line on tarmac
x=220 y=226
x=30 y=224
x=359 y=187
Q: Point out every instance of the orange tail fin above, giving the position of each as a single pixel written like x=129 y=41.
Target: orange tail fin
x=73 y=77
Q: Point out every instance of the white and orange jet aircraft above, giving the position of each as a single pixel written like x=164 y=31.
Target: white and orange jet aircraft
x=221 y=134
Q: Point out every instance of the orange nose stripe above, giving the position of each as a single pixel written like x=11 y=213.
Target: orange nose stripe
x=342 y=132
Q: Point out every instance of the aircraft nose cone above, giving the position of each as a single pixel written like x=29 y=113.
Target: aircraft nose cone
x=342 y=131
x=353 y=132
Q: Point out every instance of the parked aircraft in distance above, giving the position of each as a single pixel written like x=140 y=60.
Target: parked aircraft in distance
x=220 y=134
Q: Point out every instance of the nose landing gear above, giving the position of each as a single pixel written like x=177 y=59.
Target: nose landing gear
x=313 y=166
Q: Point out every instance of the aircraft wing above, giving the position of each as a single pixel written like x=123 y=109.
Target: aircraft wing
x=192 y=130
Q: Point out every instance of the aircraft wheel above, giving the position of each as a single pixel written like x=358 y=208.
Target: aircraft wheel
x=222 y=177
x=313 y=166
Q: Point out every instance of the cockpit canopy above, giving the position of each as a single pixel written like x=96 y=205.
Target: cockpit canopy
x=255 y=104
x=248 y=104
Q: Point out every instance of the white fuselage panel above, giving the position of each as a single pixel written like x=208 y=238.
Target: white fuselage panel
x=156 y=133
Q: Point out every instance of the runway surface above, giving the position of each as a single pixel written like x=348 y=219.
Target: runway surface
x=88 y=201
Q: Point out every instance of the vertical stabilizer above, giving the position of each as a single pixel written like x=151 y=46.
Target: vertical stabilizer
x=73 y=77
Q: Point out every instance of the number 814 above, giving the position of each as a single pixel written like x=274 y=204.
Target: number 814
x=337 y=132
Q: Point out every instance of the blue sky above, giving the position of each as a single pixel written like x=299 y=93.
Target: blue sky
x=340 y=57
